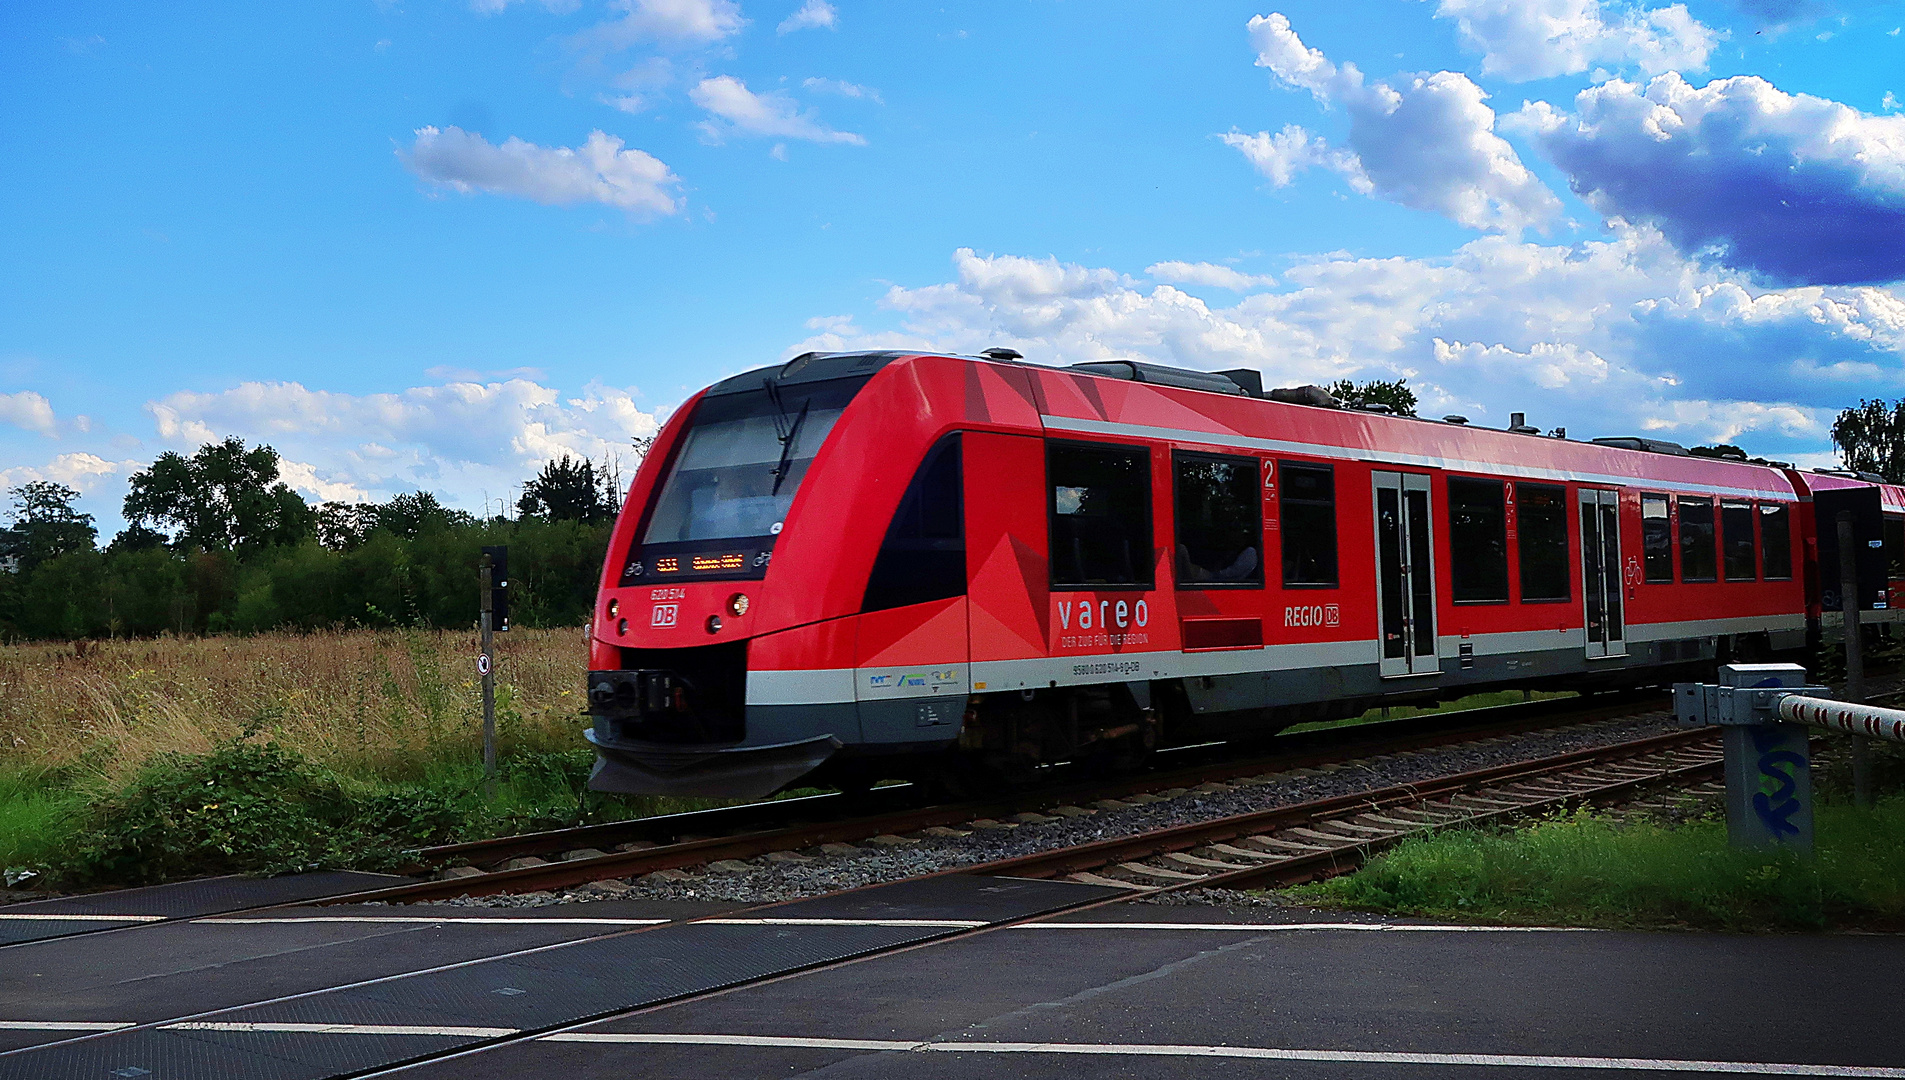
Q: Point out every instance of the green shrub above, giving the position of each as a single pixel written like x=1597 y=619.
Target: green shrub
x=251 y=808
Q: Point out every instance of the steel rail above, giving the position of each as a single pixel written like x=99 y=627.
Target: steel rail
x=1326 y=859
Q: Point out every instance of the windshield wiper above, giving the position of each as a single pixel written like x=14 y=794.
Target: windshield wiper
x=787 y=445
x=780 y=410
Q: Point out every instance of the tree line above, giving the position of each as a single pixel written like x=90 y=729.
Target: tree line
x=216 y=542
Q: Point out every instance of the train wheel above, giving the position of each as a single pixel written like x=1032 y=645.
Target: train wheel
x=1134 y=751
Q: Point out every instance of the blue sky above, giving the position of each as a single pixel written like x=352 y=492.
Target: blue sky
x=430 y=245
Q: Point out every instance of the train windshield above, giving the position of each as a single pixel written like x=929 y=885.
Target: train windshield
x=742 y=461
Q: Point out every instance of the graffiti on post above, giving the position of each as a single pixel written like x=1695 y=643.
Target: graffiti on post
x=1778 y=797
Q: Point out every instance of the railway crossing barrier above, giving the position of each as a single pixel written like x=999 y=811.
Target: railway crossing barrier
x=1763 y=711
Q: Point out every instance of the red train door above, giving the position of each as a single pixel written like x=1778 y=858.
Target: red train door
x=1405 y=575
x=1601 y=573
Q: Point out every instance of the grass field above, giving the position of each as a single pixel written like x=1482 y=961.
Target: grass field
x=1587 y=869
x=379 y=703
x=370 y=724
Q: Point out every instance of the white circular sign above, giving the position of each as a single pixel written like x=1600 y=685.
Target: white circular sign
x=482 y=664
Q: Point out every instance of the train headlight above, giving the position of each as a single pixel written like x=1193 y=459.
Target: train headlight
x=714 y=624
x=615 y=608
x=738 y=604
x=622 y=627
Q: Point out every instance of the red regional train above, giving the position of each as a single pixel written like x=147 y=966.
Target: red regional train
x=857 y=566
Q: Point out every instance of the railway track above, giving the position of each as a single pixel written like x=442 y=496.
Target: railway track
x=1179 y=767
x=1294 y=844
x=642 y=858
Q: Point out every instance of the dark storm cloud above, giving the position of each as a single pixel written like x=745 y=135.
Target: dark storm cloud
x=1794 y=188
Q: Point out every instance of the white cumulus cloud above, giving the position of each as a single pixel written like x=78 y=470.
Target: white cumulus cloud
x=1280 y=157
x=1426 y=141
x=676 y=24
x=496 y=7
x=811 y=15
x=843 y=89
x=600 y=170
x=1603 y=338
x=1203 y=273
x=734 y=109
x=79 y=469
x=29 y=410
x=460 y=439
x=1540 y=39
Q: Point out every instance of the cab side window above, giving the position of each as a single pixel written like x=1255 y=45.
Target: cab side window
x=924 y=555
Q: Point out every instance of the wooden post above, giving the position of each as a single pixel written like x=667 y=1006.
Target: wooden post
x=1854 y=655
x=486 y=666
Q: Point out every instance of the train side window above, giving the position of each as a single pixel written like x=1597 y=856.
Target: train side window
x=924 y=555
x=1895 y=547
x=1656 y=540
x=1306 y=512
x=1219 y=520
x=1697 y=562
x=1776 y=541
x=1736 y=539
x=1478 y=542
x=1100 y=515
x=1541 y=525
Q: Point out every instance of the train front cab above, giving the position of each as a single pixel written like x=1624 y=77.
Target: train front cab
x=851 y=572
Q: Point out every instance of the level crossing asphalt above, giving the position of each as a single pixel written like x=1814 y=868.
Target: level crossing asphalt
x=1128 y=989
x=1142 y=991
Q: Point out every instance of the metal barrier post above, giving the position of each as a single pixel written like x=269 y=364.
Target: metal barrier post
x=485 y=666
x=1768 y=769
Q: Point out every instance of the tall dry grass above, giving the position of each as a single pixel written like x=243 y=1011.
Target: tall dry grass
x=385 y=703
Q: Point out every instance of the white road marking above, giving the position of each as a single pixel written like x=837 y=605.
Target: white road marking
x=1260 y=927
x=37 y=917
x=484 y=921
x=342 y=1029
x=1261 y=1053
x=956 y=924
x=60 y=1025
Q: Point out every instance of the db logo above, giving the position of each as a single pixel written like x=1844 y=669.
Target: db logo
x=665 y=614
x=1313 y=615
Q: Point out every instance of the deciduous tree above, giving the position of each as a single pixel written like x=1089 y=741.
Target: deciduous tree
x=222 y=498
x=1395 y=394
x=1872 y=438
x=567 y=489
x=45 y=526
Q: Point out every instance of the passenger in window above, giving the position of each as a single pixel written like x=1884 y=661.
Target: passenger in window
x=1219 y=520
